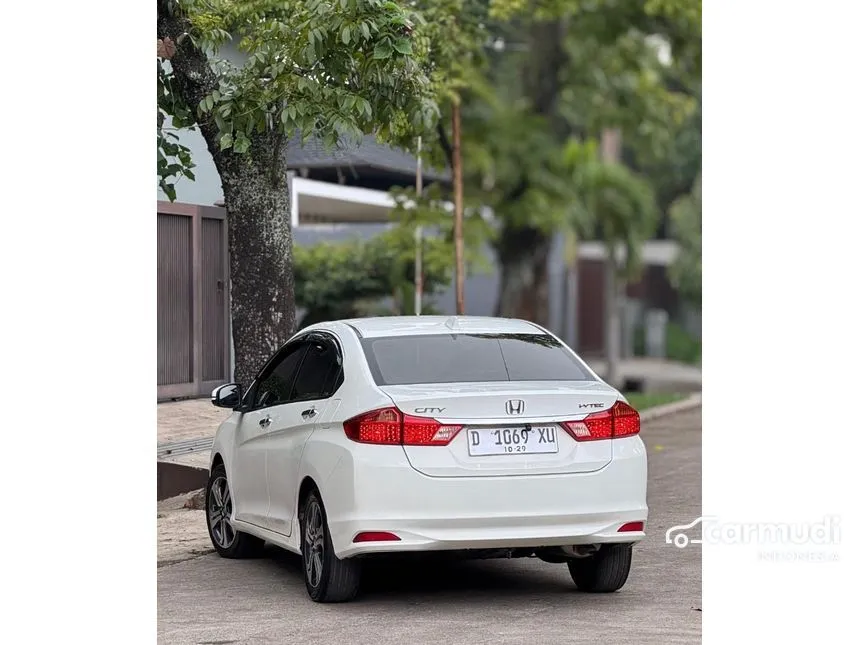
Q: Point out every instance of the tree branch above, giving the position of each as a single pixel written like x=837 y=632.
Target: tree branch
x=194 y=77
x=446 y=145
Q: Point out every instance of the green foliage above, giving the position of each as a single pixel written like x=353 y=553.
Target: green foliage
x=642 y=400
x=174 y=159
x=331 y=279
x=682 y=346
x=432 y=213
x=346 y=279
x=453 y=42
x=686 y=271
x=333 y=69
x=618 y=205
x=606 y=70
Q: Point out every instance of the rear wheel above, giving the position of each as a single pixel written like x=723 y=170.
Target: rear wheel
x=605 y=571
x=228 y=542
x=327 y=577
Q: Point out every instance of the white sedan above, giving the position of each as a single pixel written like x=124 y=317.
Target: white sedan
x=487 y=437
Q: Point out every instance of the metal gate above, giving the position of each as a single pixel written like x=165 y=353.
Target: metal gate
x=193 y=308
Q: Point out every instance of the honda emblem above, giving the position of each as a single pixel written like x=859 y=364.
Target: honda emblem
x=515 y=406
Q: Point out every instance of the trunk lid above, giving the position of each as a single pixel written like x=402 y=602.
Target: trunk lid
x=509 y=428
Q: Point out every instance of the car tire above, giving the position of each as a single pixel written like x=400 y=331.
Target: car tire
x=228 y=542
x=606 y=571
x=327 y=577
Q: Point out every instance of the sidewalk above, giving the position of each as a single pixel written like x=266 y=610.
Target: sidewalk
x=191 y=419
x=655 y=374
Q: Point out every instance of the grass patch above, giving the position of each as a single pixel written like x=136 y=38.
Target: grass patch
x=642 y=401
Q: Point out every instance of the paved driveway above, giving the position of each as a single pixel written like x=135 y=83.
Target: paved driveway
x=212 y=601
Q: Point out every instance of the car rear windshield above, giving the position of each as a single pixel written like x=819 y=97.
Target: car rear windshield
x=471 y=358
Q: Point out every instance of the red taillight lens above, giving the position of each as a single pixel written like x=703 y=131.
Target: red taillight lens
x=421 y=431
x=625 y=420
x=391 y=426
x=619 y=421
x=377 y=426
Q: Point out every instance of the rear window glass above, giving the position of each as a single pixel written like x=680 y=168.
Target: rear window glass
x=470 y=358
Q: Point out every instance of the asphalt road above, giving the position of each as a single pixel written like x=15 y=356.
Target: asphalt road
x=213 y=601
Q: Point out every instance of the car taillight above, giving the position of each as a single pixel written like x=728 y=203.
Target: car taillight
x=619 y=421
x=376 y=426
x=422 y=431
x=391 y=426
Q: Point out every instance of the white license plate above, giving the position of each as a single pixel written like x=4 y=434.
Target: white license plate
x=534 y=440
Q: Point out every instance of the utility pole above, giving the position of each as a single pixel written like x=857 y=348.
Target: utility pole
x=458 y=209
x=419 y=275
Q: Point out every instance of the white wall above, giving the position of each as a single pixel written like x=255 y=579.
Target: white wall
x=205 y=190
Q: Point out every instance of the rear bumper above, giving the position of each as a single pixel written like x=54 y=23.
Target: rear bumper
x=441 y=513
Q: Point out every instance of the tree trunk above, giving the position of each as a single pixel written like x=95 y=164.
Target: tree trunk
x=256 y=194
x=610 y=152
x=459 y=278
x=523 y=256
x=257 y=198
x=612 y=341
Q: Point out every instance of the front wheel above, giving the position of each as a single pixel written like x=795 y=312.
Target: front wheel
x=605 y=571
x=228 y=542
x=327 y=577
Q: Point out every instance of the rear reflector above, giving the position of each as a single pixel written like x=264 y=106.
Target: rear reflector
x=391 y=426
x=619 y=421
x=376 y=536
x=632 y=527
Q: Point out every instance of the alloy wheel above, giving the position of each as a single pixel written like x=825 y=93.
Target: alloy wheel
x=220 y=507
x=314 y=543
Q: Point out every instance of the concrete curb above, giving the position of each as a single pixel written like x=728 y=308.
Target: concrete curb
x=690 y=403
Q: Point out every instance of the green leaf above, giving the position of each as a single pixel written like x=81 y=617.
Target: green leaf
x=382 y=51
x=170 y=191
x=365 y=30
x=242 y=144
x=226 y=141
x=344 y=35
x=404 y=46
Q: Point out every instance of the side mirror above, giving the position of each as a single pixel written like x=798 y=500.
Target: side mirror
x=227 y=396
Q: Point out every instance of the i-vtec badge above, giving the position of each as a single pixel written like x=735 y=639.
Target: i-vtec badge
x=591 y=405
x=429 y=410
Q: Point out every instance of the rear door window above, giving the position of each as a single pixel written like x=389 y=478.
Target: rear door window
x=320 y=374
x=470 y=358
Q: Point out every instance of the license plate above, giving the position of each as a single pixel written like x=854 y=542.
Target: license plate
x=532 y=440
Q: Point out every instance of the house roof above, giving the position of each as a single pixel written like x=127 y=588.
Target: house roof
x=367 y=154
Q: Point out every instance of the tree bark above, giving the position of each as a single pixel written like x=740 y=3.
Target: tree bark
x=256 y=195
x=610 y=152
x=459 y=278
x=524 y=290
x=523 y=253
x=612 y=329
x=257 y=198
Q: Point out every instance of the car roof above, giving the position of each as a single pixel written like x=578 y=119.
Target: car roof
x=426 y=325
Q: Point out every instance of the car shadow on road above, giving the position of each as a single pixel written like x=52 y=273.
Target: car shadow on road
x=399 y=577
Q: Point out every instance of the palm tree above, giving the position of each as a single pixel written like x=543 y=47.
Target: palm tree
x=618 y=207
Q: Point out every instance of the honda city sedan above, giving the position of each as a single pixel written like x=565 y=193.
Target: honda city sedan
x=483 y=437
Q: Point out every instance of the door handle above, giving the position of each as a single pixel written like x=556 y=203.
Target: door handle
x=265 y=423
x=307 y=414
